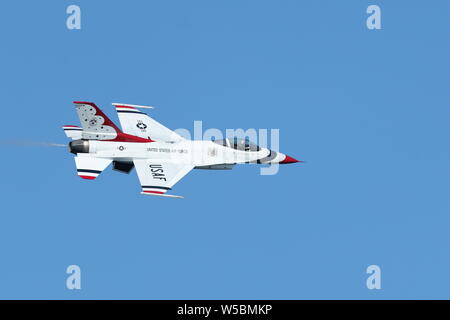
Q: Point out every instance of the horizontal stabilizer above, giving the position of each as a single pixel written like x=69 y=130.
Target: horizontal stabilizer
x=89 y=167
x=73 y=132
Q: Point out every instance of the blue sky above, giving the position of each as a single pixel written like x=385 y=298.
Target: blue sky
x=368 y=111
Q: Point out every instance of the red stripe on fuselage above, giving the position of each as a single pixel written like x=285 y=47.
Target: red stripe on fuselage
x=125 y=137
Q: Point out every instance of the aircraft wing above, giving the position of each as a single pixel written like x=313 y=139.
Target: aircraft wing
x=157 y=178
x=137 y=123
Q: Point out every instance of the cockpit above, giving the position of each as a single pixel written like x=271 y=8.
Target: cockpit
x=238 y=144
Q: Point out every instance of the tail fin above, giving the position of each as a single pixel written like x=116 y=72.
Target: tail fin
x=96 y=125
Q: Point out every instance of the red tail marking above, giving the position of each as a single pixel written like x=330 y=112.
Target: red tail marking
x=125 y=137
x=99 y=112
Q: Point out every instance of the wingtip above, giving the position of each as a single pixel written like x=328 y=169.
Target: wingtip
x=162 y=195
x=117 y=104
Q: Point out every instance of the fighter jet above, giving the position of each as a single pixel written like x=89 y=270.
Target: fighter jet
x=161 y=156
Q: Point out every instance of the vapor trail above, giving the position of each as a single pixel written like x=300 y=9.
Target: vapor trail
x=28 y=143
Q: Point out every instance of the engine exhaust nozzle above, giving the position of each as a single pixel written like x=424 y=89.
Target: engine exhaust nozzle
x=79 y=146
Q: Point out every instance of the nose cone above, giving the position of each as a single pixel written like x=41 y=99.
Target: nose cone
x=288 y=159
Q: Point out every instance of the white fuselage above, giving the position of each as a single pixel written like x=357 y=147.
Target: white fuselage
x=194 y=152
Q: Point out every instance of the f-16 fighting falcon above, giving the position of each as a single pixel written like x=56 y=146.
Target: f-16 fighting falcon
x=161 y=156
